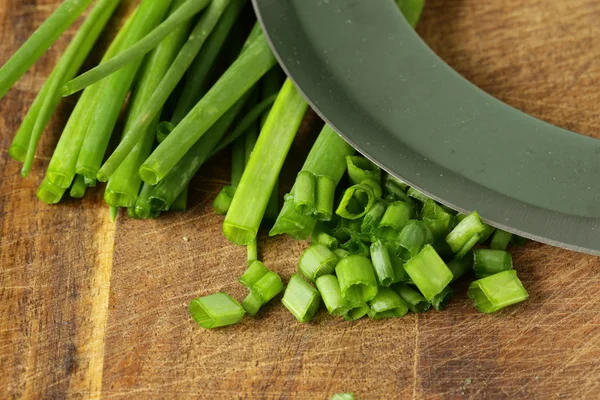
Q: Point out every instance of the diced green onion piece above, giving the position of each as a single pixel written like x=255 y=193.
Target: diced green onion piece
x=464 y=236
x=301 y=299
x=325 y=195
x=487 y=232
x=180 y=203
x=443 y=249
x=216 y=310
x=400 y=274
x=305 y=190
x=269 y=286
x=357 y=312
x=252 y=251
x=329 y=287
x=78 y=188
x=440 y=300
x=350 y=208
x=373 y=217
x=373 y=184
x=459 y=266
x=416 y=302
x=223 y=200
x=252 y=303
x=497 y=291
x=342 y=396
x=394 y=219
x=253 y=274
x=417 y=195
x=325 y=239
x=341 y=253
x=49 y=193
x=437 y=219
x=500 y=240
x=428 y=271
x=360 y=168
x=357 y=279
x=387 y=304
x=382 y=264
x=355 y=246
x=395 y=189
x=411 y=239
x=489 y=262
x=317 y=260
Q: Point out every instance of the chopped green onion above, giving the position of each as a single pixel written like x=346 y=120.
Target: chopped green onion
x=341 y=253
x=325 y=239
x=113 y=213
x=301 y=299
x=441 y=300
x=382 y=264
x=500 y=240
x=238 y=162
x=223 y=200
x=90 y=182
x=416 y=302
x=460 y=266
x=253 y=193
x=329 y=287
x=252 y=250
x=355 y=246
x=395 y=190
x=428 y=272
x=317 y=260
x=487 y=232
x=49 y=193
x=342 y=396
x=360 y=168
x=489 y=262
x=180 y=203
x=78 y=188
x=372 y=218
x=412 y=238
x=216 y=310
x=497 y=291
x=252 y=303
x=357 y=279
x=396 y=216
x=443 y=249
x=400 y=274
x=387 y=304
x=325 y=194
x=357 y=312
x=253 y=274
x=373 y=184
x=437 y=219
x=269 y=286
x=464 y=236
x=349 y=206
x=417 y=195
x=412 y=9
x=305 y=193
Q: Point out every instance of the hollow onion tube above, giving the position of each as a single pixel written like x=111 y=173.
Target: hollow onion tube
x=317 y=260
x=330 y=291
x=415 y=300
x=357 y=279
x=497 y=291
x=464 y=235
x=428 y=272
x=387 y=304
x=216 y=310
x=489 y=262
x=301 y=299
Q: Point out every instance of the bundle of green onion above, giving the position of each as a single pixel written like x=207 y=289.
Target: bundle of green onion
x=378 y=247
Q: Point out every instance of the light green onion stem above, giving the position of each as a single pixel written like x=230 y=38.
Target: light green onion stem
x=382 y=263
x=357 y=279
x=500 y=240
x=329 y=287
x=49 y=193
x=464 y=235
x=317 y=260
x=428 y=272
x=301 y=299
x=78 y=188
x=387 y=304
x=415 y=300
x=489 y=262
x=216 y=310
x=497 y=291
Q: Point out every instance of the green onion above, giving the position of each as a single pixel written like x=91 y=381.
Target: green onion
x=412 y=238
x=181 y=202
x=319 y=237
x=252 y=303
x=238 y=162
x=375 y=186
x=395 y=190
x=252 y=251
x=253 y=193
x=349 y=206
x=464 y=236
x=263 y=291
x=357 y=312
x=489 y=262
x=400 y=274
x=518 y=240
x=387 y=304
x=412 y=9
x=357 y=279
x=440 y=300
x=497 y=291
x=317 y=260
x=78 y=188
x=460 y=266
x=305 y=193
x=253 y=274
x=40 y=41
x=301 y=299
x=216 y=310
x=382 y=264
x=113 y=213
x=142 y=208
x=443 y=249
x=49 y=193
x=341 y=253
x=342 y=396
x=487 y=232
x=417 y=195
x=329 y=287
x=355 y=246
x=186 y=56
x=437 y=219
x=223 y=200
x=428 y=272
x=325 y=195
x=500 y=240
x=135 y=52
x=360 y=168
x=396 y=216
x=372 y=218
x=416 y=302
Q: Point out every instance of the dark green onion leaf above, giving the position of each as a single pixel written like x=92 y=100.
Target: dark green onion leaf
x=489 y=262
x=412 y=238
x=357 y=312
x=216 y=310
x=497 y=291
x=373 y=217
x=301 y=299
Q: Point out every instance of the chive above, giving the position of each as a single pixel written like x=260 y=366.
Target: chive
x=416 y=302
x=78 y=188
x=301 y=299
x=349 y=206
x=497 y=291
x=326 y=157
x=500 y=240
x=400 y=274
x=216 y=310
x=360 y=168
x=355 y=246
x=253 y=274
x=252 y=195
x=382 y=264
x=186 y=55
x=113 y=91
x=239 y=77
x=329 y=287
x=411 y=239
x=387 y=304
x=40 y=41
x=417 y=195
x=305 y=193
x=357 y=312
x=440 y=300
x=317 y=260
x=464 y=236
x=459 y=266
x=357 y=279
x=412 y=9
x=325 y=239
x=325 y=195
x=223 y=200
x=394 y=219
x=124 y=185
x=428 y=272
x=49 y=193
x=372 y=218
x=142 y=46
x=489 y=262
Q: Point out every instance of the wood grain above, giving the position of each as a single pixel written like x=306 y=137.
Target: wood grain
x=91 y=309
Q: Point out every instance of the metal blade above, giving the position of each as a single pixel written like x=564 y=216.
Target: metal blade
x=369 y=75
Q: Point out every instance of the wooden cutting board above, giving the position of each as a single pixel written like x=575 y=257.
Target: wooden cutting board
x=93 y=309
